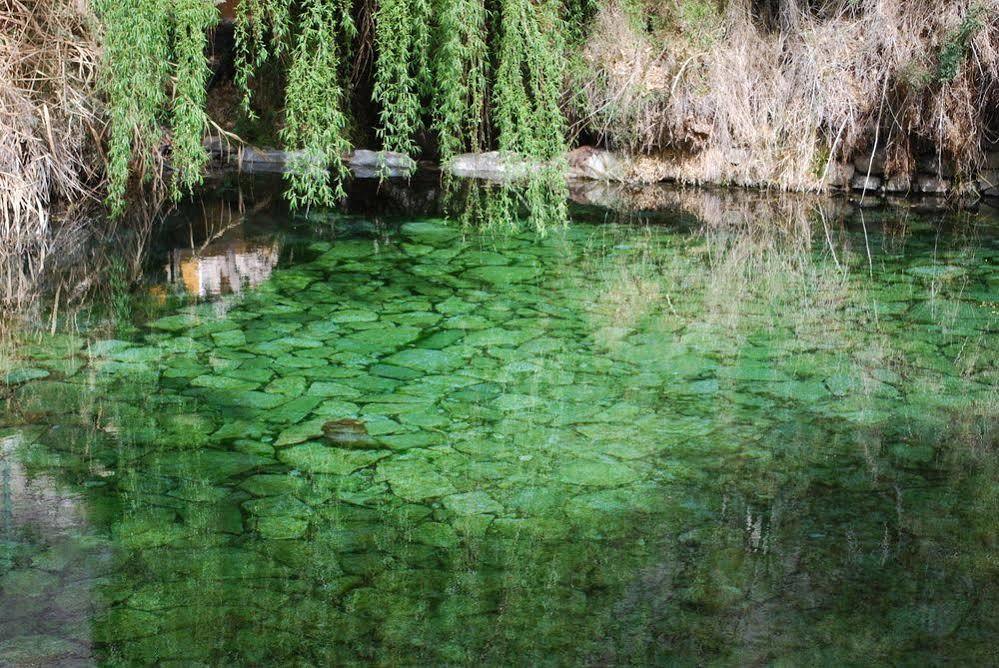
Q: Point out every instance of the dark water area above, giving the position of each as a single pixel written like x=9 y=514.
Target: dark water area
x=694 y=428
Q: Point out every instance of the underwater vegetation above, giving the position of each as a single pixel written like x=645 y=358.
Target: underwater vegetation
x=413 y=442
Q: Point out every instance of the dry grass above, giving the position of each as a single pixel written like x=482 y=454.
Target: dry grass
x=730 y=96
x=48 y=129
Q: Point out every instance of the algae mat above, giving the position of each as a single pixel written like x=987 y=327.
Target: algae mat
x=614 y=445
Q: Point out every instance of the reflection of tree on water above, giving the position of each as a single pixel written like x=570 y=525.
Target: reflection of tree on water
x=50 y=563
x=661 y=482
x=221 y=257
x=222 y=268
x=831 y=496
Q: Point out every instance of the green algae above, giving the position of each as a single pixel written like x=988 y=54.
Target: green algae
x=599 y=447
x=23 y=375
x=414 y=479
x=320 y=458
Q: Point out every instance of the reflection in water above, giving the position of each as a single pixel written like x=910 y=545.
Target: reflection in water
x=222 y=268
x=50 y=565
x=711 y=441
x=223 y=261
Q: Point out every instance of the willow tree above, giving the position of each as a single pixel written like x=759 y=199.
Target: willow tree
x=155 y=74
x=474 y=74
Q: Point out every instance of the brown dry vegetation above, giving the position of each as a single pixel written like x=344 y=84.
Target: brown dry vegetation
x=753 y=92
x=49 y=122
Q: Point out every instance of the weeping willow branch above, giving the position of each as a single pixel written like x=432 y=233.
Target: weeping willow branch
x=315 y=121
x=402 y=43
x=527 y=94
x=460 y=72
x=148 y=44
x=529 y=79
x=263 y=29
x=135 y=66
x=188 y=123
x=464 y=69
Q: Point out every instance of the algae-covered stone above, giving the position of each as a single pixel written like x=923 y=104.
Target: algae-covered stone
x=291 y=386
x=292 y=412
x=468 y=322
x=270 y=484
x=23 y=375
x=396 y=372
x=431 y=361
x=282 y=527
x=414 y=479
x=333 y=390
x=430 y=232
x=615 y=502
x=515 y=402
x=37 y=650
x=301 y=432
x=353 y=315
x=347 y=249
x=187 y=429
x=320 y=458
x=502 y=275
x=411 y=440
x=214 y=382
x=421 y=319
x=454 y=305
x=207 y=464
x=337 y=409
x=596 y=473
x=437 y=534
x=424 y=418
x=472 y=503
x=176 y=323
x=497 y=336
x=380 y=338
x=840 y=385
x=184 y=367
x=231 y=338
x=28 y=583
x=283 y=505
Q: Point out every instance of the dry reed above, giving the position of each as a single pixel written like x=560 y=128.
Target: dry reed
x=731 y=95
x=49 y=125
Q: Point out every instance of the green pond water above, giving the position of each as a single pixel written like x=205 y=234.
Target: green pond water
x=658 y=441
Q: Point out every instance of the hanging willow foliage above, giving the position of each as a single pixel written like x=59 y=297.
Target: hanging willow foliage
x=475 y=73
x=461 y=70
x=529 y=79
x=527 y=112
x=402 y=42
x=154 y=76
x=315 y=122
x=136 y=50
x=263 y=28
x=193 y=19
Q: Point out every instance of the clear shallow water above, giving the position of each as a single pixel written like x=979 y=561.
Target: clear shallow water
x=689 y=443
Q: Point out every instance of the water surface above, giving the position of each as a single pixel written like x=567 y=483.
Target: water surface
x=677 y=439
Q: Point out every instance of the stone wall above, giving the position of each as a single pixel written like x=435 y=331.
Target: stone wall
x=932 y=176
x=867 y=174
x=864 y=174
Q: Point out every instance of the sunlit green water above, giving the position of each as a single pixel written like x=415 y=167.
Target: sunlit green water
x=617 y=444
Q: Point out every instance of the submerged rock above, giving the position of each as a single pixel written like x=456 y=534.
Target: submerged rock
x=414 y=479
x=320 y=458
x=349 y=433
x=23 y=375
x=37 y=650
